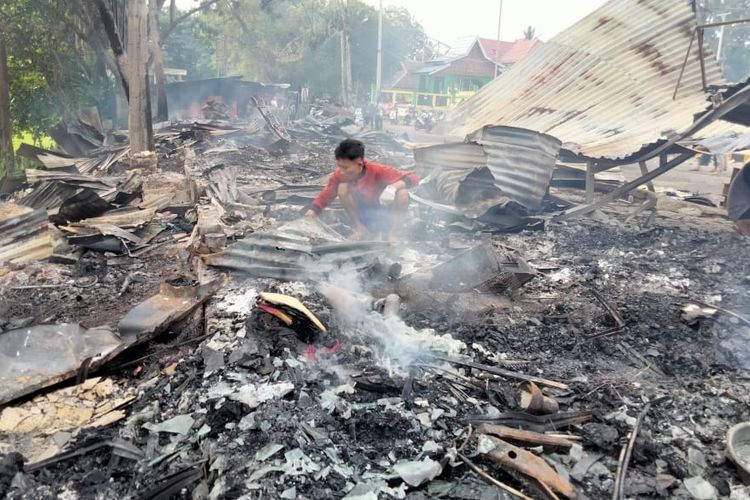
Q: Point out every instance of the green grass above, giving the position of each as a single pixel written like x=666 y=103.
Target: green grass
x=43 y=142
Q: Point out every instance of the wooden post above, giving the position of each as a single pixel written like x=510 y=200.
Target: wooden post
x=139 y=110
x=644 y=171
x=590 y=182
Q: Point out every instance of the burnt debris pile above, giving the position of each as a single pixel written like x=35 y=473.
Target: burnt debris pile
x=171 y=327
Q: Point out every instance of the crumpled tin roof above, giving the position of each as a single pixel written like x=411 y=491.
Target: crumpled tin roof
x=303 y=249
x=604 y=86
x=520 y=164
x=24 y=234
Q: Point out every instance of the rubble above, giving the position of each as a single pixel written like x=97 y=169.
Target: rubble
x=25 y=234
x=42 y=355
x=428 y=364
x=737 y=450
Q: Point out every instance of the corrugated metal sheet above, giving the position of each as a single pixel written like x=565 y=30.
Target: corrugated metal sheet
x=42 y=355
x=24 y=234
x=726 y=143
x=521 y=161
x=520 y=164
x=300 y=250
x=49 y=195
x=603 y=86
x=447 y=165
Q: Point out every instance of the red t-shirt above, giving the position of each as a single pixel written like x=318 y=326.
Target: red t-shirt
x=371 y=183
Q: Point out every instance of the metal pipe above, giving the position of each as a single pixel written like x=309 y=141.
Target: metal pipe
x=724 y=23
x=700 y=55
x=499 y=20
x=684 y=64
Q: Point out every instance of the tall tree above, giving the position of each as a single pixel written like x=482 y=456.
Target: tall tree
x=139 y=107
x=346 y=55
x=157 y=38
x=529 y=33
x=115 y=42
x=193 y=46
x=299 y=41
x=51 y=68
x=157 y=59
x=6 y=126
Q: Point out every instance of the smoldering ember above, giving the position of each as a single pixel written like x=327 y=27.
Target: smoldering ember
x=373 y=281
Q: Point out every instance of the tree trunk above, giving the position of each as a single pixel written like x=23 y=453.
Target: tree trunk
x=6 y=127
x=162 y=112
x=139 y=109
x=346 y=56
x=110 y=27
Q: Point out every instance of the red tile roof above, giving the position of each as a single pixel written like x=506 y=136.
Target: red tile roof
x=506 y=52
x=519 y=49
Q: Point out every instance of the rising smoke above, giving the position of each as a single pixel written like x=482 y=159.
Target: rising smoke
x=395 y=345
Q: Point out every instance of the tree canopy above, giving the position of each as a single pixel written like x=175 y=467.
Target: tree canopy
x=59 y=58
x=297 y=41
x=51 y=68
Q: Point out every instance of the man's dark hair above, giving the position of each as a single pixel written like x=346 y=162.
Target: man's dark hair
x=350 y=149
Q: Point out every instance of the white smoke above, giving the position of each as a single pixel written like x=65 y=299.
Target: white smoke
x=395 y=345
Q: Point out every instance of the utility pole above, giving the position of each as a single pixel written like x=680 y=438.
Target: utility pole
x=721 y=36
x=379 y=69
x=499 y=20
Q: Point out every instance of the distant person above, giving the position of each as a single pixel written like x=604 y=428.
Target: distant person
x=720 y=164
x=372 y=111
x=738 y=200
x=359 y=183
x=378 y=125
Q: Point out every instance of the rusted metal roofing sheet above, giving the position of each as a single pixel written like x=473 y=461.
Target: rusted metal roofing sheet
x=604 y=86
x=520 y=163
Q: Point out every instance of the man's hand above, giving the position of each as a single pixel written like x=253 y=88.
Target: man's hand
x=360 y=232
x=310 y=214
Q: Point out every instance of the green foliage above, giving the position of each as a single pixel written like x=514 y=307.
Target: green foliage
x=191 y=46
x=298 y=41
x=56 y=50
x=51 y=70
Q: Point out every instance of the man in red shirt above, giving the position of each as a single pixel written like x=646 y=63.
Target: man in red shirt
x=359 y=183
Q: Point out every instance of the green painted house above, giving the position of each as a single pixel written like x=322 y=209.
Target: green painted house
x=447 y=80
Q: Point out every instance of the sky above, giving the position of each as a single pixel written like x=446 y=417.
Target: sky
x=450 y=20
x=447 y=21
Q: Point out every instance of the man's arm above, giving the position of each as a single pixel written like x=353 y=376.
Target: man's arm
x=388 y=176
x=326 y=196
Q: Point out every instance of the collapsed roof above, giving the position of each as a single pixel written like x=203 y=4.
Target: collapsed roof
x=604 y=86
